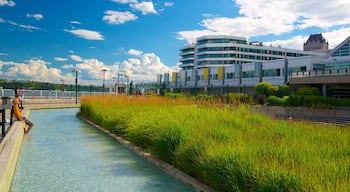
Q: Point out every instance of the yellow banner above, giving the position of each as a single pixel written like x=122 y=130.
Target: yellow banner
x=173 y=77
x=206 y=74
x=220 y=70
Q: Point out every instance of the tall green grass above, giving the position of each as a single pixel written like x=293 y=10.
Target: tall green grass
x=230 y=149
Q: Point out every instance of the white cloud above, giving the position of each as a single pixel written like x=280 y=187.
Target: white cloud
x=75 y=22
x=60 y=59
x=191 y=36
x=292 y=43
x=274 y=17
x=26 y=27
x=169 y=4
x=146 y=67
x=125 y=1
x=135 y=52
x=86 y=34
x=117 y=17
x=7 y=2
x=334 y=38
x=2 y=20
x=76 y=58
x=144 y=7
x=68 y=66
x=35 y=16
x=93 y=68
x=34 y=68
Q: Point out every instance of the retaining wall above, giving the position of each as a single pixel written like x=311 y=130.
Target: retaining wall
x=10 y=147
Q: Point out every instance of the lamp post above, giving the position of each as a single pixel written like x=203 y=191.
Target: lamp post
x=104 y=79
x=76 y=85
x=62 y=87
x=114 y=85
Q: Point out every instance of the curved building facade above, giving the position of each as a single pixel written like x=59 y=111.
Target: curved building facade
x=224 y=50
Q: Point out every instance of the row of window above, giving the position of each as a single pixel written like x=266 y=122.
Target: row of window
x=343 y=51
x=249 y=50
x=211 y=41
x=221 y=56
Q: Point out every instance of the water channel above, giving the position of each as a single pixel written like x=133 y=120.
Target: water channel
x=63 y=153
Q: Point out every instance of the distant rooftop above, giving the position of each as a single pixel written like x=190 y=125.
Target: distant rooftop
x=316 y=42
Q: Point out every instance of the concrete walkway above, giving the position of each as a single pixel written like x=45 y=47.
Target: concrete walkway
x=9 y=151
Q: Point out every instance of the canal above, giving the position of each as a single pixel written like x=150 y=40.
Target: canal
x=63 y=153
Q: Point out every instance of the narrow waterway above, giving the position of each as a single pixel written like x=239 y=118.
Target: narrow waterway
x=63 y=153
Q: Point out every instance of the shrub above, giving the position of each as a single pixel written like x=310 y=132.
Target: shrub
x=273 y=100
x=262 y=88
x=272 y=90
x=308 y=91
x=283 y=90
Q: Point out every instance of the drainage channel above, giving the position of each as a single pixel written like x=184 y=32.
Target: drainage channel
x=63 y=153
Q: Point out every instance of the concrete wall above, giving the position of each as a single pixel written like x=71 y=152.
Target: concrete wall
x=9 y=151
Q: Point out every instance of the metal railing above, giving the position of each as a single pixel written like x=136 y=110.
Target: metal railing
x=321 y=73
x=6 y=104
x=340 y=121
x=46 y=94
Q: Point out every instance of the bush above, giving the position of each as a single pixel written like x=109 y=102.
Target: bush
x=262 y=88
x=273 y=100
x=308 y=91
x=273 y=90
x=283 y=90
x=296 y=100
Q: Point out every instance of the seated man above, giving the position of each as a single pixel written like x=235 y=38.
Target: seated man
x=18 y=115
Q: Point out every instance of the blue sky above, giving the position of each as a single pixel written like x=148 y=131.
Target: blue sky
x=44 y=40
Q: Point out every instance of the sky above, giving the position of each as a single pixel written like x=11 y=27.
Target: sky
x=45 y=40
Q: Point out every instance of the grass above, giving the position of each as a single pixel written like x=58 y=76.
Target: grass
x=230 y=149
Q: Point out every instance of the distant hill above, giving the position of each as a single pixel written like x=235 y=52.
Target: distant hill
x=33 y=85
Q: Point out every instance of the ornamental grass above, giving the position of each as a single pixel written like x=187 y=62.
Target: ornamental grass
x=229 y=148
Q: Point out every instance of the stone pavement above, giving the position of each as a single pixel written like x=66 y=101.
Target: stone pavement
x=50 y=103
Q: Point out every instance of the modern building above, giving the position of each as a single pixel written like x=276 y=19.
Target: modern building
x=223 y=50
x=218 y=64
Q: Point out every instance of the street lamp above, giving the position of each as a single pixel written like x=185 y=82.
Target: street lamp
x=104 y=79
x=62 y=87
x=76 y=85
x=114 y=85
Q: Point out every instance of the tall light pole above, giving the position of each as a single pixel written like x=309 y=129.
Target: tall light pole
x=114 y=85
x=117 y=88
x=62 y=87
x=76 y=85
x=104 y=79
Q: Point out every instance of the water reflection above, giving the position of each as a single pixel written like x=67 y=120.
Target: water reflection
x=62 y=153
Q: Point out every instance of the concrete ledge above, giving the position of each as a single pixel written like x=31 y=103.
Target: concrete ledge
x=194 y=183
x=9 y=151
